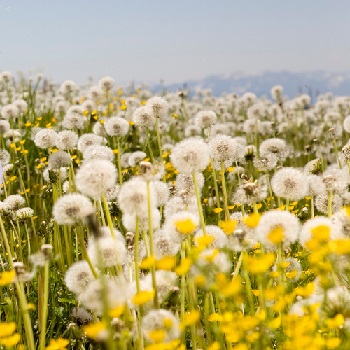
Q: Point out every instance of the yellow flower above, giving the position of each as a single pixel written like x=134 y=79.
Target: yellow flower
x=156 y=335
x=166 y=263
x=57 y=344
x=143 y=297
x=117 y=311
x=147 y=263
x=204 y=241
x=10 y=341
x=217 y=210
x=184 y=266
x=321 y=232
x=336 y=321
x=261 y=264
x=94 y=329
x=200 y=280
x=340 y=246
x=275 y=323
x=252 y=220
x=7 y=329
x=214 y=346
x=185 y=226
x=228 y=226
x=232 y=288
x=190 y=318
x=276 y=235
x=6 y=278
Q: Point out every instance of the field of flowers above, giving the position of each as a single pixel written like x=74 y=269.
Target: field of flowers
x=178 y=221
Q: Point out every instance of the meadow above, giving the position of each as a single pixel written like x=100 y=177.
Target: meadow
x=175 y=221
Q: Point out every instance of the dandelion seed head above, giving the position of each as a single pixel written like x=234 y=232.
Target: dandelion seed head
x=95 y=178
x=116 y=126
x=162 y=192
x=98 y=152
x=321 y=203
x=112 y=250
x=144 y=117
x=218 y=235
x=289 y=183
x=72 y=208
x=132 y=197
x=158 y=105
x=4 y=126
x=24 y=213
x=45 y=138
x=13 y=202
x=87 y=140
x=78 y=276
x=129 y=221
x=9 y=111
x=190 y=156
x=99 y=129
x=205 y=119
x=68 y=86
x=117 y=292
x=106 y=83
x=136 y=157
x=58 y=160
x=163 y=320
x=66 y=140
x=275 y=146
x=311 y=226
x=73 y=121
x=271 y=220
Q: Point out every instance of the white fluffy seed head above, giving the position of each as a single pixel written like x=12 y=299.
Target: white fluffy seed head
x=45 y=138
x=72 y=208
x=219 y=237
x=158 y=105
x=112 y=251
x=290 y=183
x=78 y=276
x=98 y=152
x=58 y=160
x=161 y=320
x=310 y=228
x=205 y=119
x=144 y=117
x=117 y=292
x=273 y=219
x=88 y=140
x=274 y=146
x=190 y=156
x=66 y=140
x=116 y=126
x=96 y=177
x=346 y=124
x=224 y=149
x=132 y=197
x=73 y=121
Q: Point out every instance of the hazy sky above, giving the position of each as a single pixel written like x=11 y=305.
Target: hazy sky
x=174 y=40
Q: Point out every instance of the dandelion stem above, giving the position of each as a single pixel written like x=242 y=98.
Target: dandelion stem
x=224 y=192
x=44 y=307
x=151 y=244
x=199 y=203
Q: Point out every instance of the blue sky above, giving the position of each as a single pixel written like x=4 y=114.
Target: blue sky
x=174 y=40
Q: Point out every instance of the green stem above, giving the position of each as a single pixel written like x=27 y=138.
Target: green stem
x=44 y=307
x=151 y=244
x=199 y=203
x=120 y=176
x=224 y=192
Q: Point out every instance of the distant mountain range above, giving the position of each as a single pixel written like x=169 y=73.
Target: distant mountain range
x=311 y=82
